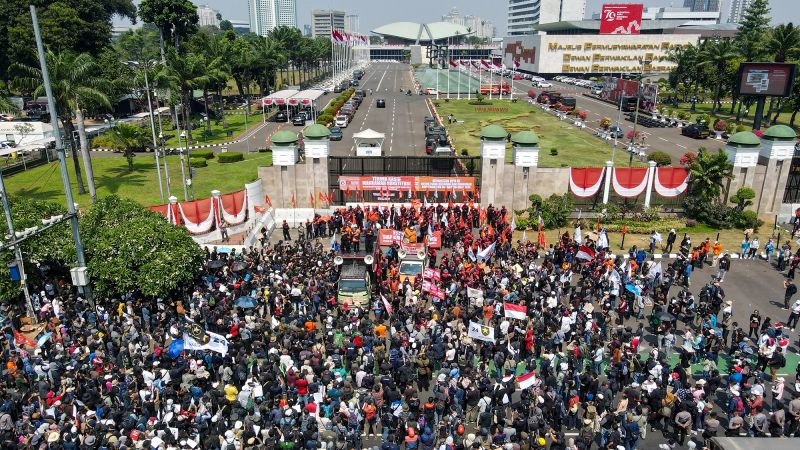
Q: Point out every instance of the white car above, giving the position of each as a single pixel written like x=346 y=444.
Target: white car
x=430 y=91
x=544 y=84
x=537 y=78
x=341 y=121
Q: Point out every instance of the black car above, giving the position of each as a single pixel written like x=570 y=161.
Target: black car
x=280 y=116
x=696 y=131
x=354 y=82
x=299 y=120
x=337 y=89
x=336 y=134
x=380 y=103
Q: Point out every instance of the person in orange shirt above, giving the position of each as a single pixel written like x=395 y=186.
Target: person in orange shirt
x=488 y=312
x=716 y=251
x=380 y=330
x=310 y=326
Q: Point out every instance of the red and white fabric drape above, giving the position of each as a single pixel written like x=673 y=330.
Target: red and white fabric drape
x=671 y=181
x=629 y=181
x=233 y=207
x=586 y=182
x=199 y=215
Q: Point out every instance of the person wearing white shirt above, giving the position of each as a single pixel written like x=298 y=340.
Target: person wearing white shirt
x=794 y=315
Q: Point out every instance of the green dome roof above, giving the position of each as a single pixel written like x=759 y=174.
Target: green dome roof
x=780 y=133
x=744 y=139
x=525 y=138
x=493 y=132
x=284 y=137
x=316 y=131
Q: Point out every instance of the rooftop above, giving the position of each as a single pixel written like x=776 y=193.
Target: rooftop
x=422 y=32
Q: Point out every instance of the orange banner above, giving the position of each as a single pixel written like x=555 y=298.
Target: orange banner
x=405 y=183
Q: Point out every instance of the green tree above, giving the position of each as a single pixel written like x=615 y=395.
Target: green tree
x=267 y=55
x=752 y=35
x=74 y=81
x=717 y=54
x=184 y=74
x=225 y=25
x=784 y=42
x=174 y=19
x=127 y=138
x=66 y=25
x=708 y=175
x=132 y=249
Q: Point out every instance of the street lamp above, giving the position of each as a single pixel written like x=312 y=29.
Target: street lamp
x=643 y=63
x=145 y=66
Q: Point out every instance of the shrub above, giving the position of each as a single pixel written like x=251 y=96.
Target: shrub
x=688 y=159
x=721 y=125
x=230 y=157
x=554 y=210
x=703 y=118
x=325 y=119
x=198 y=162
x=684 y=115
x=740 y=128
x=661 y=158
x=743 y=197
x=554 y=151
x=583 y=115
x=204 y=154
x=605 y=122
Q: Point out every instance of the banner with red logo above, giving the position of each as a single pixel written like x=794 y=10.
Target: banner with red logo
x=435 y=239
x=621 y=18
x=432 y=274
x=388 y=237
x=412 y=249
x=437 y=292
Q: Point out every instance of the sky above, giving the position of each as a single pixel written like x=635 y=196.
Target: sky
x=374 y=13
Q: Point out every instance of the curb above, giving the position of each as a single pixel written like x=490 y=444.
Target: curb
x=198 y=147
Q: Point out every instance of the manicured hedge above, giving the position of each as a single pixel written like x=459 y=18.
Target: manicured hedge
x=204 y=154
x=198 y=162
x=230 y=157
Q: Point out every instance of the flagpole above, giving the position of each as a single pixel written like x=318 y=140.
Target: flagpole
x=491 y=77
x=458 y=93
x=469 y=80
x=438 y=74
x=449 y=58
x=513 y=74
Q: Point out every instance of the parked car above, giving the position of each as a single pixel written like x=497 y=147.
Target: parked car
x=430 y=91
x=336 y=133
x=380 y=103
x=299 y=120
x=615 y=131
x=280 y=116
x=696 y=131
x=341 y=121
x=544 y=84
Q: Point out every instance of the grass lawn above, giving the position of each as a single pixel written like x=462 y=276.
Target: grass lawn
x=113 y=177
x=724 y=113
x=218 y=134
x=575 y=148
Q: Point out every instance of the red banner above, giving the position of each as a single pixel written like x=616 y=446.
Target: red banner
x=405 y=183
x=432 y=274
x=426 y=286
x=388 y=237
x=435 y=239
x=438 y=292
x=621 y=18
x=412 y=249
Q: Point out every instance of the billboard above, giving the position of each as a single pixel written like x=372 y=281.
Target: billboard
x=406 y=183
x=621 y=18
x=774 y=79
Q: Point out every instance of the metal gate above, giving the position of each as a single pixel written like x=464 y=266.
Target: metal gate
x=432 y=166
x=792 y=192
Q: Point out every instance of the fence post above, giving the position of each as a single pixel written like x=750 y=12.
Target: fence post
x=651 y=175
x=608 y=175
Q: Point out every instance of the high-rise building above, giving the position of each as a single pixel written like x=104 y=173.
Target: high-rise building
x=207 y=16
x=524 y=14
x=352 y=23
x=322 y=20
x=266 y=15
x=307 y=30
x=480 y=27
x=702 y=5
x=738 y=7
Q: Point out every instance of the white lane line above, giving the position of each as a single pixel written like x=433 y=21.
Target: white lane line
x=665 y=140
x=381 y=80
x=681 y=146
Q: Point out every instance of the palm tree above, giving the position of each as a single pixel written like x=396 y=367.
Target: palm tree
x=267 y=55
x=717 y=54
x=185 y=73
x=708 y=175
x=127 y=138
x=784 y=42
x=75 y=81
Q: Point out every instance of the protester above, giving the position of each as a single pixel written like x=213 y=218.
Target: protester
x=501 y=343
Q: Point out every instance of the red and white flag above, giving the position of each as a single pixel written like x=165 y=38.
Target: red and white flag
x=585 y=253
x=527 y=380
x=387 y=305
x=453 y=64
x=336 y=37
x=515 y=311
x=475 y=64
x=497 y=64
x=516 y=64
x=485 y=63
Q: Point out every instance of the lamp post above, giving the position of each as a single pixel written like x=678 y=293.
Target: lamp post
x=17 y=250
x=643 y=62
x=146 y=65
x=62 y=160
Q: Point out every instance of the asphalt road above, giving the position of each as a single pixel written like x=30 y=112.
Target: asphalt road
x=668 y=140
x=400 y=121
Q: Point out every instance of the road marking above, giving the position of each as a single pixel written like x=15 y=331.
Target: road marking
x=381 y=80
x=681 y=146
x=665 y=140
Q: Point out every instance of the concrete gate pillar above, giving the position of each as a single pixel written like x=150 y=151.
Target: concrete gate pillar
x=493 y=157
x=777 y=151
x=742 y=149
x=525 y=155
x=317 y=142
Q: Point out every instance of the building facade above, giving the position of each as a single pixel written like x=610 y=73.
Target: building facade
x=481 y=27
x=323 y=20
x=738 y=7
x=266 y=15
x=685 y=14
x=352 y=23
x=702 y=5
x=207 y=16
x=524 y=14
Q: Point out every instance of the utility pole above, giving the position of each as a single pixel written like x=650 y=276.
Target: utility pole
x=62 y=160
x=156 y=148
x=636 y=113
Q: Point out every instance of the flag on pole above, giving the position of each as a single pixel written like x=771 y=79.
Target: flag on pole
x=293 y=201
x=524 y=237
x=333 y=240
x=486 y=253
x=453 y=64
x=527 y=380
x=311 y=199
x=481 y=332
x=540 y=223
x=516 y=63
x=585 y=253
x=386 y=304
x=268 y=201
x=471 y=254
x=513 y=311
x=513 y=223
x=655 y=271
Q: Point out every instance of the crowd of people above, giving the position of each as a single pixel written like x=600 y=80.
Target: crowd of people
x=528 y=343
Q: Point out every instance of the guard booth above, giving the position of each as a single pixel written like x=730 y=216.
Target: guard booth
x=369 y=142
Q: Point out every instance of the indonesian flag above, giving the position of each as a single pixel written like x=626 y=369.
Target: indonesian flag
x=497 y=64
x=337 y=37
x=485 y=63
x=293 y=201
x=311 y=199
x=515 y=311
x=475 y=64
x=585 y=253
x=527 y=380
x=516 y=64
x=268 y=201
x=453 y=64
x=462 y=63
